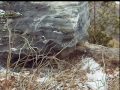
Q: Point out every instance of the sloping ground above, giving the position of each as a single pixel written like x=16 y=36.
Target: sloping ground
x=86 y=72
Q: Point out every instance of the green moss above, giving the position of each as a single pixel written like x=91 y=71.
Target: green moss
x=10 y=15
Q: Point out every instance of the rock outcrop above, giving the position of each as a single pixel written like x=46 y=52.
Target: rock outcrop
x=40 y=24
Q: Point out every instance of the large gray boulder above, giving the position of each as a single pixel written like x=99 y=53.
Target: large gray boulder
x=64 y=23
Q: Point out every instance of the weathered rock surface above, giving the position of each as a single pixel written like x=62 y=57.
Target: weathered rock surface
x=37 y=24
x=61 y=22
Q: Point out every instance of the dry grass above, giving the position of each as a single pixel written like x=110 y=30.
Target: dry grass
x=62 y=74
x=114 y=43
x=67 y=79
x=62 y=79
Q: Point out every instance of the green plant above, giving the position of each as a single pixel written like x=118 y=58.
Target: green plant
x=104 y=24
x=99 y=37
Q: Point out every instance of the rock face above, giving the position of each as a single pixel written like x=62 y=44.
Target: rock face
x=63 y=23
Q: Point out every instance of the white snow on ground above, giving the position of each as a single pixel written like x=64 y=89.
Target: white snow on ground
x=13 y=49
x=2 y=12
x=96 y=77
x=2 y=70
x=89 y=63
x=97 y=81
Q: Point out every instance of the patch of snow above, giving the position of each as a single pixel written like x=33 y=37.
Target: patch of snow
x=13 y=49
x=2 y=12
x=89 y=63
x=97 y=79
x=2 y=70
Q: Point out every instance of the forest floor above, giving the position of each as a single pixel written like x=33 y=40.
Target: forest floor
x=76 y=72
